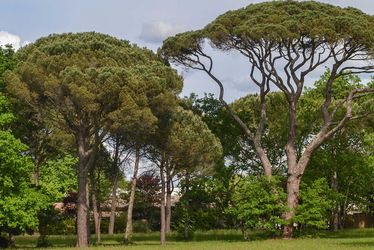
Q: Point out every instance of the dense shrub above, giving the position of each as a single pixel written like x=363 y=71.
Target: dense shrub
x=258 y=203
x=315 y=204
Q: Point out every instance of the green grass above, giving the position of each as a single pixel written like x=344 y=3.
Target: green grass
x=219 y=240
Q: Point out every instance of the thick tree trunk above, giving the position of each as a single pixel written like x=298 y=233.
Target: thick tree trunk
x=85 y=160
x=293 y=188
x=162 y=207
x=293 y=170
x=113 y=205
x=128 y=233
x=168 y=204
x=82 y=207
x=335 y=217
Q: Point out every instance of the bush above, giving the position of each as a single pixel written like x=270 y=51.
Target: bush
x=119 y=223
x=184 y=223
x=316 y=202
x=4 y=241
x=141 y=226
x=43 y=241
x=258 y=203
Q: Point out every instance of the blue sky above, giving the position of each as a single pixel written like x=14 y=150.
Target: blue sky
x=146 y=23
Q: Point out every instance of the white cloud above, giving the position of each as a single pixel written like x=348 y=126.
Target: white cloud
x=8 y=38
x=156 y=32
x=24 y=43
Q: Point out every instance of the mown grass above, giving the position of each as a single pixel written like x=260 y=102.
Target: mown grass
x=217 y=240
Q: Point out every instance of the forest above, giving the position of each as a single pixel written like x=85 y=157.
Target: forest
x=97 y=143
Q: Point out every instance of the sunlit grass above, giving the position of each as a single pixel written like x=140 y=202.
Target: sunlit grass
x=218 y=240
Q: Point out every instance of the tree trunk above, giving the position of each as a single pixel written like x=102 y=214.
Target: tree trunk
x=162 y=207
x=293 y=186
x=36 y=174
x=255 y=138
x=85 y=159
x=96 y=207
x=265 y=162
x=168 y=204
x=82 y=208
x=335 y=220
x=128 y=233
x=187 y=222
x=113 y=205
x=294 y=175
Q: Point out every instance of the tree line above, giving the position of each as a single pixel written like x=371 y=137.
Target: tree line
x=78 y=107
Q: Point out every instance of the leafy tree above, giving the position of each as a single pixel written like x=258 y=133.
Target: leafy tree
x=7 y=62
x=122 y=150
x=88 y=84
x=20 y=203
x=258 y=204
x=284 y=42
x=59 y=177
x=204 y=205
x=147 y=197
x=184 y=144
x=316 y=203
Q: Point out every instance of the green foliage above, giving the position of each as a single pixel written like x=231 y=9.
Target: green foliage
x=20 y=203
x=141 y=226
x=282 y=20
x=258 y=203
x=275 y=22
x=90 y=82
x=315 y=204
x=191 y=144
x=58 y=177
x=7 y=62
x=6 y=116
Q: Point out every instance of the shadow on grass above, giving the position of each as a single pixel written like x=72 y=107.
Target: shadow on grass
x=349 y=234
x=366 y=243
x=358 y=238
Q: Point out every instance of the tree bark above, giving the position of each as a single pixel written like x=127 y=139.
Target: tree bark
x=261 y=153
x=293 y=188
x=255 y=138
x=82 y=208
x=113 y=205
x=162 y=206
x=85 y=159
x=294 y=175
x=128 y=233
x=335 y=220
x=96 y=207
x=187 y=190
x=168 y=204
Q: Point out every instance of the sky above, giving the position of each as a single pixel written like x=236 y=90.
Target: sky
x=146 y=23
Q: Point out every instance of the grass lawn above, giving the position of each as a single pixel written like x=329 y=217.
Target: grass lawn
x=219 y=240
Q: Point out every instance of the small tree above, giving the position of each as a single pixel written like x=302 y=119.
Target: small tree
x=257 y=204
x=284 y=42
x=184 y=144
